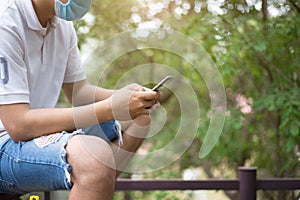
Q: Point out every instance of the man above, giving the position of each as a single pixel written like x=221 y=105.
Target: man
x=48 y=148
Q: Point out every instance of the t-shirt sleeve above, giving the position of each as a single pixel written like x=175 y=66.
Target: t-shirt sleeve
x=74 y=71
x=15 y=89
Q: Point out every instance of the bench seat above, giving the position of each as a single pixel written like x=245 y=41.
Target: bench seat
x=9 y=197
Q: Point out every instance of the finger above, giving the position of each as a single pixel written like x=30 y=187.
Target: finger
x=145 y=112
x=142 y=89
x=148 y=89
x=148 y=104
x=155 y=106
x=149 y=95
x=135 y=87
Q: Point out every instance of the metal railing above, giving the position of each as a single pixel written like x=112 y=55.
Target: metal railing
x=247 y=184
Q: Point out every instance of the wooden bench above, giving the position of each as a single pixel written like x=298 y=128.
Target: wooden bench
x=9 y=197
x=45 y=196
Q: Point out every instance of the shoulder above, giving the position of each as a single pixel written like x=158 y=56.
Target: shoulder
x=66 y=30
x=9 y=12
x=11 y=18
x=10 y=23
x=66 y=26
x=5 y=4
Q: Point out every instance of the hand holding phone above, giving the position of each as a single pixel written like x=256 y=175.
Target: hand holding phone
x=159 y=85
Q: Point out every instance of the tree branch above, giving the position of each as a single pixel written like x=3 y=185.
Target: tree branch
x=295 y=5
x=264 y=10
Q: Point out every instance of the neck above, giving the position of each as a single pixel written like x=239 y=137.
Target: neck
x=44 y=10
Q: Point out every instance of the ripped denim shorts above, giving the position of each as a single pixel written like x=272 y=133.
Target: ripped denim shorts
x=40 y=164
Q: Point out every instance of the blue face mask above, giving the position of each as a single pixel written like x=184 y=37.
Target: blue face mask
x=73 y=10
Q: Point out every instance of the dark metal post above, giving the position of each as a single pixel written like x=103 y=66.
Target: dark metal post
x=47 y=195
x=247 y=188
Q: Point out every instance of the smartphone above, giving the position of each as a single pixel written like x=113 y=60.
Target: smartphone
x=161 y=83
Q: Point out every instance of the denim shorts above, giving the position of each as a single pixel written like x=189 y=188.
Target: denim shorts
x=40 y=164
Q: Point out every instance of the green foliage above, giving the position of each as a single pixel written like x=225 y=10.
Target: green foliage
x=258 y=56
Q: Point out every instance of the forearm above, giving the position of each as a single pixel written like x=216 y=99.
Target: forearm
x=102 y=93
x=85 y=116
x=27 y=123
x=39 y=122
x=82 y=93
x=90 y=94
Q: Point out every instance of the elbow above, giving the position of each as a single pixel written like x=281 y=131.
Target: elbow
x=17 y=133
x=15 y=138
x=17 y=121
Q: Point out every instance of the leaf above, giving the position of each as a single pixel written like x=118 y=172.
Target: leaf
x=294 y=129
x=284 y=123
x=260 y=47
x=297 y=121
x=237 y=124
x=290 y=144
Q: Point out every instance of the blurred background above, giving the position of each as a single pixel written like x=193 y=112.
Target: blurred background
x=255 y=45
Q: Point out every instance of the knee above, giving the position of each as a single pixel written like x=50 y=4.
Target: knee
x=92 y=161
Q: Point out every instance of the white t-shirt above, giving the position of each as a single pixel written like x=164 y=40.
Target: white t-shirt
x=39 y=60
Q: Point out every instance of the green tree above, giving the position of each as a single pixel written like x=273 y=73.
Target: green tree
x=256 y=47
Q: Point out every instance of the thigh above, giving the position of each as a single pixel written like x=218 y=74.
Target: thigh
x=35 y=165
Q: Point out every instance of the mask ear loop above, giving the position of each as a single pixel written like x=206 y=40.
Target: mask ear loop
x=64 y=10
x=67 y=3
